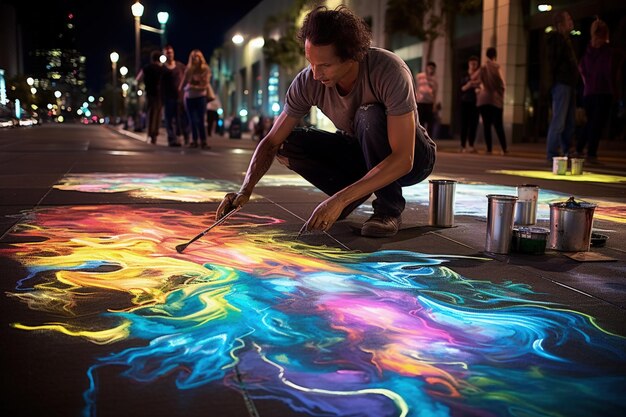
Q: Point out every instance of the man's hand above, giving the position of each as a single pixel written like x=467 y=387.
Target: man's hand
x=325 y=215
x=230 y=202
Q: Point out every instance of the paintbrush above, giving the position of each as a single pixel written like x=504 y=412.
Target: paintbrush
x=180 y=248
x=302 y=230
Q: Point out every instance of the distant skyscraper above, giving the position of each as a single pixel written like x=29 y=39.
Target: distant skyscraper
x=59 y=66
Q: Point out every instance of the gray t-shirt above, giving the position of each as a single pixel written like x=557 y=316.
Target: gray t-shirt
x=383 y=78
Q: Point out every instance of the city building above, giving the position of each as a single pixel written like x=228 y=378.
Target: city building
x=252 y=81
x=52 y=73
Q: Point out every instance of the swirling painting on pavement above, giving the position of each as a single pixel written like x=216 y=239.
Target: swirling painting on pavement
x=155 y=186
x=322 y=330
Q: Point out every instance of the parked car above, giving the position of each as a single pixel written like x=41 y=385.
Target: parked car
x=7 y=117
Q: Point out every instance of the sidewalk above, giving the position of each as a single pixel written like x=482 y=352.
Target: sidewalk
x=612 y=154
x=97 y=294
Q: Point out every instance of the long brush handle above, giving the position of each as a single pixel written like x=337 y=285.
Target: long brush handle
x=181 y=248
x=217 y=223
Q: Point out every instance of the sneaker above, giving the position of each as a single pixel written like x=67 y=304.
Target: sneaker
x=193 y=145
x=205 y=146
x=381 y=226
x=472 y=150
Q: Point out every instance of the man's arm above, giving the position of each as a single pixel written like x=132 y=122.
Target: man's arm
x=260 y=163
x=401 y=133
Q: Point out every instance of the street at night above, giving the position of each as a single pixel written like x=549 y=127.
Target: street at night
x=102 y=316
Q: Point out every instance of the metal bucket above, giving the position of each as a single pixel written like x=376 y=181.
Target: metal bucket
x=577 y=166
x=525 y=212
x=570 y=225
x=526 y=206
x=441 y=208
x=499 y=223
x=559 y=165
x=528 y=192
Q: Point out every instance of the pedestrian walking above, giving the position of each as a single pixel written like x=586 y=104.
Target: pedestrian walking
x=151 y=76
x=469 y=110
x=176 y=122
x=212 y=115
x=196 y=87
x=564 y=77
x=596 y=70
x=426 y=96
x=490 y=100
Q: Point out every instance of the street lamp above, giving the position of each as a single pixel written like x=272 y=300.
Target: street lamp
x=114 y=58
x=137 y=10
x=123 y=71
x=163 y=18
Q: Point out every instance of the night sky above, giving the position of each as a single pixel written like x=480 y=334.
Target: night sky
x=106 y=26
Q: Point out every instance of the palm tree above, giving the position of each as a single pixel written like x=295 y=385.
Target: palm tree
x=286 y=50
x=425 y=19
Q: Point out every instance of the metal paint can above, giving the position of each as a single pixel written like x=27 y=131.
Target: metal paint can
x=500 y=211
x=525 y=212
x=559 y=165
x=571 y=222
x=528 y=192
x=441 y=207
x=577 y=166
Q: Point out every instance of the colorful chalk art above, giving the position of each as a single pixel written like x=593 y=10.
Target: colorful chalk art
x=324 y=331
x=154 y=186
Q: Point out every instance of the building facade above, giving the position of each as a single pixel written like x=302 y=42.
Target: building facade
x=251 y=85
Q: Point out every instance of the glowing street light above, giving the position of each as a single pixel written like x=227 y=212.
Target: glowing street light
x=114 y=58
x=137 y=10
x=237 y=39
x=123 y=71
x=163 y=17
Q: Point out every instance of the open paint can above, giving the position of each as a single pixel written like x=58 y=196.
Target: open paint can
x=559 y=165
x=529 y=240
x=571 y=222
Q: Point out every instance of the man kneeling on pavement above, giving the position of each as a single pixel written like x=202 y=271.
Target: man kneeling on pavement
x=380 y=147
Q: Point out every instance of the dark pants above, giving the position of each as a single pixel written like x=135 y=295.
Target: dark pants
x=175 y=120
x=469 y=122
x=196 y=107
x=332 y=161
x=492 y=115
x=211 y=121
x=153 y=107
x=597 y=109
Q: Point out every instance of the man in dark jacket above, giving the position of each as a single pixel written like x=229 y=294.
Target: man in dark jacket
x=151 y=75
x=564 y=76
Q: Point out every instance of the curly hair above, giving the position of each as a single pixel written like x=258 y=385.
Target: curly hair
x=341 y=28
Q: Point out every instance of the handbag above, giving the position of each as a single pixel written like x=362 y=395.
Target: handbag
x=210 y=94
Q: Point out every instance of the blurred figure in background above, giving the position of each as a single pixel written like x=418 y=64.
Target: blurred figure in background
x=426 y=96
x=564 y=78
x=151 y=76
x=196 y=86
x=469 y=111
x=212 y=116
x=599 y=89
x=175 y=117
x=490 y=100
